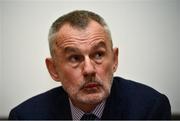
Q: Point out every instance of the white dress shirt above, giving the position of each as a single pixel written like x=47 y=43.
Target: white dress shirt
x=78 y=113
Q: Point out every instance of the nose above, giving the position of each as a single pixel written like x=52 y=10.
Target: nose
x=89 y=67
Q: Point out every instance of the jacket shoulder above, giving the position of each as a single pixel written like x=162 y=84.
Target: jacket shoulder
x=134 y=100
x=131 y=87
x=42 y=106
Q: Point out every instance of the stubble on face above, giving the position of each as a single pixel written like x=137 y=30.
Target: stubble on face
x=90 y=95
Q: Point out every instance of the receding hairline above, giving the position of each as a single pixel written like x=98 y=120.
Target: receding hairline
x=83 y=20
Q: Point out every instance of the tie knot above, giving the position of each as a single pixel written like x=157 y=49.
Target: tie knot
x=89 y=117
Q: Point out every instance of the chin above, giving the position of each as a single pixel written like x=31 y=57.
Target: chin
x=93 y=98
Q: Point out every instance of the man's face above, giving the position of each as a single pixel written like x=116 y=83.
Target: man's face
x=84 y=62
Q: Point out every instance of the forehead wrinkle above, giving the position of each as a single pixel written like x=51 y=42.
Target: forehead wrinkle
x=68 y=41
x=94 y=46
x=82 y=36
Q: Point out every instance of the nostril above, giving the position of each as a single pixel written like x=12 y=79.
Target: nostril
x=89 y=77
x=89 y=74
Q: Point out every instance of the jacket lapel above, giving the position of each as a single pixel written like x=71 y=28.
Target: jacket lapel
x=62 y=109
x=113 y=107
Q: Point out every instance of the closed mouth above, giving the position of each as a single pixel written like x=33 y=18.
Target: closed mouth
x=91 y=85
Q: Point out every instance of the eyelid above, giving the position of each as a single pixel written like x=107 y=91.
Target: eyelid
x=100 y=52
x=74 y=55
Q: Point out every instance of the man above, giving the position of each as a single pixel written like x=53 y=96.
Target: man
x=83 y=60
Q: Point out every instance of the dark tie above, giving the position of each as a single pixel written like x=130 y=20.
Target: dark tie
x=89 y=117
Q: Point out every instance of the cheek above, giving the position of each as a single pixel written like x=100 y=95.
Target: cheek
x=105 y=71
x=69 y=76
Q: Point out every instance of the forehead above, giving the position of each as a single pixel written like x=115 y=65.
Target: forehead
x=68 y=35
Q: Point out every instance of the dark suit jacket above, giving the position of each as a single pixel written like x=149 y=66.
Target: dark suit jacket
x=128 y=100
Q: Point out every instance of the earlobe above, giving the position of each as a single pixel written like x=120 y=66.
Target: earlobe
x=52 y=69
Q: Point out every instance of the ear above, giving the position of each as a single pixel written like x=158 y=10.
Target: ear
x=115 y=53
x=52 y=69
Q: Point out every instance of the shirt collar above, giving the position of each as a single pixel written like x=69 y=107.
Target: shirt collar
x=78 y=113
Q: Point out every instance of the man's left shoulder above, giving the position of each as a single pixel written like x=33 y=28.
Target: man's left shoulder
x=139 y=100
x=134 y=88
x=141 y=97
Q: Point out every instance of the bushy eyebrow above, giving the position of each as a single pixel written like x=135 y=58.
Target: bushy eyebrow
x=71 y=50
x=99 y=45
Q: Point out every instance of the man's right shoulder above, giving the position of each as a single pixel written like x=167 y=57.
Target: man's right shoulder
x=50 y=95
x=42 y=103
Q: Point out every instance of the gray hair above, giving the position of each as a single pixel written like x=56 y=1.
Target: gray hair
x=78 y=19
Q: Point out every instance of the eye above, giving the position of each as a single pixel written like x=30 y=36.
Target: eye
x=98 y=55
x=74 y=58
